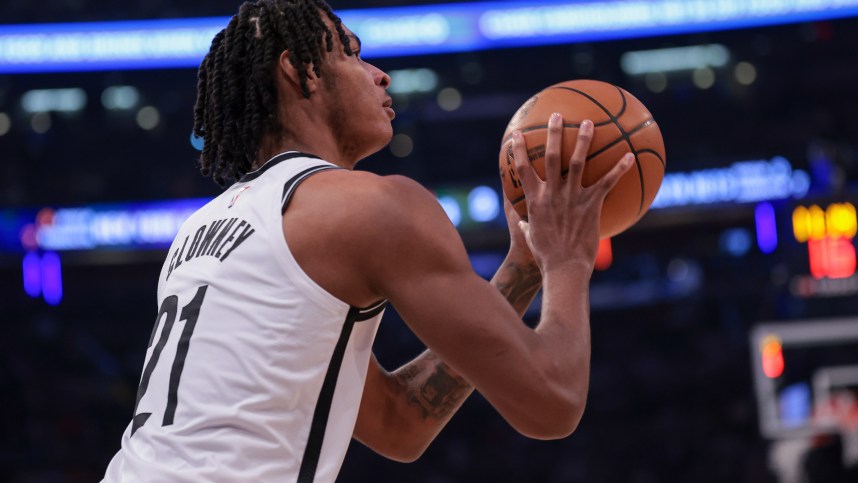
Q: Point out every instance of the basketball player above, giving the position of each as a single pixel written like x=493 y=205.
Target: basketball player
x=259 y=366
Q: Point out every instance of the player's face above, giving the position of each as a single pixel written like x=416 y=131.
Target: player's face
x=356 y=96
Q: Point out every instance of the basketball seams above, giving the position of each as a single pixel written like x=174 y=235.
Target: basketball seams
x=623 y=132
x=597 y=103
x=604 y=148
x=656 y=154
x=648 y=122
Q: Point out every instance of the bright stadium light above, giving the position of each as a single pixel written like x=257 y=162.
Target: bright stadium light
x=120 y=98
x=53 y=100
x=408 y=81
x=674 y=59
x=483 y=204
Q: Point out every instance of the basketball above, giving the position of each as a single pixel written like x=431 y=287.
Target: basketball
x=621 y=124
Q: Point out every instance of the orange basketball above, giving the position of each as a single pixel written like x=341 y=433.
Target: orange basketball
x=622 y=124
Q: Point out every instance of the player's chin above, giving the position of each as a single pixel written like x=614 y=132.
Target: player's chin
x=378 y=139
x=385 y=134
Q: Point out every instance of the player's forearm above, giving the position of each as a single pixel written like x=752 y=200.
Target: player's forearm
x=519 y=280
x=433 y=385
x=431 y=388
x=420 y=398
x=564 y=339
x=434 y=389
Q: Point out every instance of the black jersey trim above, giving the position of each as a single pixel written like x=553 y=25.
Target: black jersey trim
x=310 y=461
x=290 y=186
x=274 y=162
x=370 y=311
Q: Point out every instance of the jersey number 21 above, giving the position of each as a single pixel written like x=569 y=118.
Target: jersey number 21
x=169 y=308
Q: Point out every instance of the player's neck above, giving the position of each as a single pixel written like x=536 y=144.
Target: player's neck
x=268 y=150
x=308 y=132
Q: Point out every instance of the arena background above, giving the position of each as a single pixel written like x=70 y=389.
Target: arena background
x=755 y=227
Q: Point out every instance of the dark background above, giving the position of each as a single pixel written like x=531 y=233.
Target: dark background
x=671 y=394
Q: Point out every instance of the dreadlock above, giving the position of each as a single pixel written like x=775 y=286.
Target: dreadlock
x=236 y=91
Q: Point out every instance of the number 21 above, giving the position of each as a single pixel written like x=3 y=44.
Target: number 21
x=190 y=313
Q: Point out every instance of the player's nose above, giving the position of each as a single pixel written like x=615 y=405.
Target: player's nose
x=380 y=77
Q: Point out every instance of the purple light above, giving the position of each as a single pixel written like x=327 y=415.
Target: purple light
x=32 y=274
x=767 y=230
x=52 y=278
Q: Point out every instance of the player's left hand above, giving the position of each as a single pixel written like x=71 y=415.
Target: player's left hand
x=518 y=247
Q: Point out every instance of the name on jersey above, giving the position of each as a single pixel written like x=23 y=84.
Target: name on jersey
x=216 y=239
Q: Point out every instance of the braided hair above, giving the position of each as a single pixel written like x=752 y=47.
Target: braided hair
x=237 y=101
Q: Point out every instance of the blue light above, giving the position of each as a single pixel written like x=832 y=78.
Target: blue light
x=197 y=142
x=451 y=207
x=52 y=278
x=794 y=404
x=735 y=241
x=404 y=31
x=767 y=230
x=90 y=46
x=126 y=225
x=32 y=274
x=483 y=204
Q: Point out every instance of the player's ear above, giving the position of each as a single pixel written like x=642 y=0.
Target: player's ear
x=289 y=72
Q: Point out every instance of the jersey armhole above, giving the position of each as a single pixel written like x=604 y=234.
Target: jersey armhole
x=290 y=186
x=283 y=253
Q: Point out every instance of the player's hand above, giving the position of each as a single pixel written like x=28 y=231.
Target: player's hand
x=563 y=216
x=518 y=248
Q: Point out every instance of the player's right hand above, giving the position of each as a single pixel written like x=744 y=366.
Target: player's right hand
x=563 y=215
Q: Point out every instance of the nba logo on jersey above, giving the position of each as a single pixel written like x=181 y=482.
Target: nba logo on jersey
x=235 y=198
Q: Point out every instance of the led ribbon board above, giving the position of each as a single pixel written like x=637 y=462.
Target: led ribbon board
x=741 y=182
x=148 y=225
x=403 y=31
x=153 y=225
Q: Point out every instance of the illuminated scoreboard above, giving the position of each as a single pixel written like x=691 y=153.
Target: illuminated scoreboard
x=828 y=234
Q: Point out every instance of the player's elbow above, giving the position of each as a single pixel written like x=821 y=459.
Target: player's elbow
x=555 y=419
x=402 y=450
x=557 y=408
x=407 y=455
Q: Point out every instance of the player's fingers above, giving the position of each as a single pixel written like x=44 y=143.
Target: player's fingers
x=579 y=154
x=552 y=150
x=612 y=177
x=526 y=174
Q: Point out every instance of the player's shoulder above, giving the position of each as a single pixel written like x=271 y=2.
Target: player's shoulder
x=370 y=219
x=368 y=196
x=370 y=185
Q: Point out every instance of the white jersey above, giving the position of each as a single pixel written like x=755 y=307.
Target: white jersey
x=253 y=372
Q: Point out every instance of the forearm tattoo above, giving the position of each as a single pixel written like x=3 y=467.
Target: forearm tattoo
x=518 y=283
x=437 y=395
x=435 y=388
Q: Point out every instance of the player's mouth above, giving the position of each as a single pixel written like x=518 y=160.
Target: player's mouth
x=387 y=107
